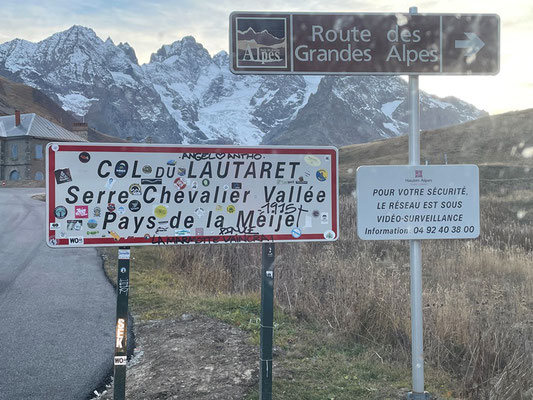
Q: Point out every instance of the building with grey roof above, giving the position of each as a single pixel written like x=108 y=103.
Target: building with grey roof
x=23 y=139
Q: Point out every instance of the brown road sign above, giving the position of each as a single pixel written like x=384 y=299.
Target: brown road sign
x=373 y=44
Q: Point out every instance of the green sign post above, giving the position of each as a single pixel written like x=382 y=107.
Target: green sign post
x=267 y=322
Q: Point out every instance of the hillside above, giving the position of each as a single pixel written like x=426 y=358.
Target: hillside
x=501 y=145
x=18 y=96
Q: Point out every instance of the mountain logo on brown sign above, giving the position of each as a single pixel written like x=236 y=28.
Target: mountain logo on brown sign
x=262 y=42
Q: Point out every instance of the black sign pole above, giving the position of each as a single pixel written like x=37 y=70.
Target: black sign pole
x=121 y=330
x=267 y=322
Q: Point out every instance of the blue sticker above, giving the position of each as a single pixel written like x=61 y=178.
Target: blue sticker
x=321 y=175
x=121 y=169
x=60 y=212
x=296 y=233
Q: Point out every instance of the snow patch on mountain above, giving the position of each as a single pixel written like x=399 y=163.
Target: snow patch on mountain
x=389 y=108
x=76 y=103
x=183 y=95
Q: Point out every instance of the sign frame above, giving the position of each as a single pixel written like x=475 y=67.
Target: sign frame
x=461 y=43
x=327 y=152
x=429 y=200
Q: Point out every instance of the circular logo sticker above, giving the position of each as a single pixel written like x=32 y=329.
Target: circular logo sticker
x=296 y=233
x=97 y=211
x=160 y=211
x=205 y=182
x=147 y=236
x=92 y=223
x=181 y=171
x=321 y=175
x=180 y=183
x=147 y=169
x=121 y=210
x=121 y=169
x=135 y=189
x=84 y=157
x=60 y=212
x=316 y=213
x=231 y=208
x=312 y=160
x=55 y=147
x=111 y=207
x=134 y=205
x=329 y=235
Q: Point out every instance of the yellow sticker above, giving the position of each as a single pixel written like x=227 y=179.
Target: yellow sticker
x=231 y=208
x=160 y=211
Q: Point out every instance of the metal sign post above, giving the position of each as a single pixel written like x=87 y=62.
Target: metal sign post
x=267 y=322
x=121 y=332
x=415 y=252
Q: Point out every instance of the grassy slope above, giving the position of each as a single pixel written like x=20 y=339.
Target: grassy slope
x=495 y=143
x=310 y=361
x=313 y=361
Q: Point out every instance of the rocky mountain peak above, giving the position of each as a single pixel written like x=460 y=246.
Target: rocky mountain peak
x=183 y=95
x=221 y=58
x=183 y=51
x=129 y=51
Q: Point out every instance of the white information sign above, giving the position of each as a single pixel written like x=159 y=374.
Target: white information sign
x=131 y=194
x=418 y=202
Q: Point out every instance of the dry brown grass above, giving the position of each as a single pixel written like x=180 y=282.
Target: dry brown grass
x=478 y=295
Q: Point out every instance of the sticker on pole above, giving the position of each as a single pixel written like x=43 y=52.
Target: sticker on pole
x=121 y=360
x=418 y=202
x=133 y=194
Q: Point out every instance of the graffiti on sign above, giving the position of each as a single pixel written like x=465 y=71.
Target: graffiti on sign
x=191 y=195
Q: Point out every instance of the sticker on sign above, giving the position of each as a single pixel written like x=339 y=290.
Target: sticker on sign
x=168 y=194
x=417 y=202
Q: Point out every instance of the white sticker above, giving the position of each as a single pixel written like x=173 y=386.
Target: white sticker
x=324 y=218
x=55 y=147
x=75 y=241
x=54 y=226
x=123 y=254
x=110 y=182
x=312 y=160
x=121 y=360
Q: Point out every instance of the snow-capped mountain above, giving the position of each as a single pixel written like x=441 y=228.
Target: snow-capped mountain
x=183 y=95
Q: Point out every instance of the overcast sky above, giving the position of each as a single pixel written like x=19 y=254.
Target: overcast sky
x=148 y=24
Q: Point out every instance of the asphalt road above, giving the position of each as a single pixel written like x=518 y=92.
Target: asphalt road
x=57 y=309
